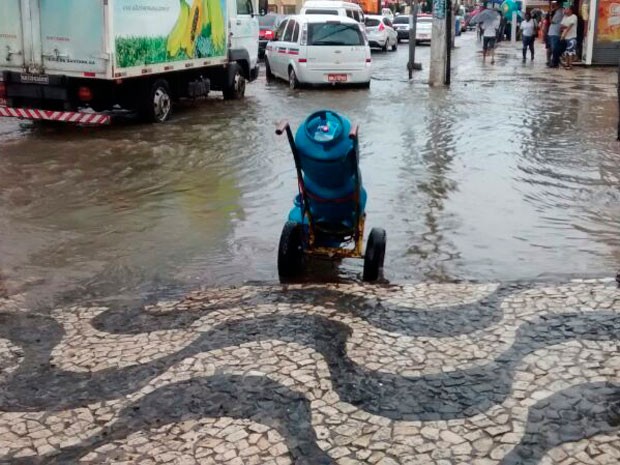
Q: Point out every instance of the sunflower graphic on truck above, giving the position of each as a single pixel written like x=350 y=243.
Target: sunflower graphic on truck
x=172 y=30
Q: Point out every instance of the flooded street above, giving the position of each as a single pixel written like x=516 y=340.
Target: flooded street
x=511 y=174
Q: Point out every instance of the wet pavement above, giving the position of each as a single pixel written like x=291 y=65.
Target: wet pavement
x=507 y=183
x=511 y=174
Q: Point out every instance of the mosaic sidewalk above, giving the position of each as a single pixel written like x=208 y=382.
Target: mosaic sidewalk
x=441 y=374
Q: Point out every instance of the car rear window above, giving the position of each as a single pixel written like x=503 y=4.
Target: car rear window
x=334 y=34
x=314 y=11
x=401 y=20
x=267 y=21
x=372 y=22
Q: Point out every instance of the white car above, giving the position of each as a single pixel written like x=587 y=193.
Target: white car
x=333 y=7
x=381 y=33
x=424 y=29
x=319 y=49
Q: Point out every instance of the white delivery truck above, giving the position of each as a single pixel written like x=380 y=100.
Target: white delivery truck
x=83 y=61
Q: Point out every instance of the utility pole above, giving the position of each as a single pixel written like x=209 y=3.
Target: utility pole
x=439 y=44
x=413 y=23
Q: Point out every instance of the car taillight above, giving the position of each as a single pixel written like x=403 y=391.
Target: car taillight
x=368 y=60
x=85 y=94
x=381 y=27
x=2 y=89
x=304 y=34
x=268 y=35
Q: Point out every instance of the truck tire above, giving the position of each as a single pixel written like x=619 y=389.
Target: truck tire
x=157 y=105
x=235 y=87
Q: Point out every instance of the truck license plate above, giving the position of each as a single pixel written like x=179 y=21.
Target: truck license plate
x=34 y=78
x=337 y=77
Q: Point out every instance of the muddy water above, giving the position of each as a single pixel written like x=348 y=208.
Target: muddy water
x=511 y=174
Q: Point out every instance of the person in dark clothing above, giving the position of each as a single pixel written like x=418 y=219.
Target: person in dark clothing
x=554 y=33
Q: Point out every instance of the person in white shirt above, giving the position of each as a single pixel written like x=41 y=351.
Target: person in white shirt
x=528 y=33
x=568 y=29
x=490 y=26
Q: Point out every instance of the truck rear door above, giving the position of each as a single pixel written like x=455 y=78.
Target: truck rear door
x=53 y=36
x=11 y=36
x=72 y=36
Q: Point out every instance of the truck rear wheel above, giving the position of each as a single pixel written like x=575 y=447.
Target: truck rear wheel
x=157 y=105
x=235 y=88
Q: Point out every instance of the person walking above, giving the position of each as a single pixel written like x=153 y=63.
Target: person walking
x=528 y=34
x=569 y=37
x=555 y=33
x=490 y=26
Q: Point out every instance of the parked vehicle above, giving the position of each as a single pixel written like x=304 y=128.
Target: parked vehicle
x=332 y=7
x=424 y=29
x=268 y=25
x=381 y=33
x=80 y=62
x=319 y=49
x=401 y=26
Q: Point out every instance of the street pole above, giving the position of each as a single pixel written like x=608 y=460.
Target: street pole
x=439 y=48
x=618 y=100
x=413 y=24
x=513 y=28
x=449 y=30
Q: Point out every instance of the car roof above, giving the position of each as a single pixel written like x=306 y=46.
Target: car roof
x=329 y=4
x=323 y=19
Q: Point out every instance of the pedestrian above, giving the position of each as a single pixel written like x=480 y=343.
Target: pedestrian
x=569 y=36
x=490 y=26
x=544 y=31
x=555 y=25
x=528 y=34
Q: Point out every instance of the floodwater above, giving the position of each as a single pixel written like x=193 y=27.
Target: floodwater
x=511 y=174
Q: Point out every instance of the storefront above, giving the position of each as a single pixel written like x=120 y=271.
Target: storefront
x=601 y=35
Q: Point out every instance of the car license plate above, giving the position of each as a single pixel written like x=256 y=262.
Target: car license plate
x=337 y=77
x=34 y=78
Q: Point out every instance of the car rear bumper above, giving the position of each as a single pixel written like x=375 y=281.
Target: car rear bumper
x=377 y=43
x=402 y=33
x=312 y=76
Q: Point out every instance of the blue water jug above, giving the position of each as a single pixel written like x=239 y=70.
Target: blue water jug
x=329 y=168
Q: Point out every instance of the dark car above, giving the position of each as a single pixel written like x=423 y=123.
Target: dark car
x=401 y=25
x=268 y=25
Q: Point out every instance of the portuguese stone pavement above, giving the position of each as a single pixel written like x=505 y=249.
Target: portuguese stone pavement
x=462 y=373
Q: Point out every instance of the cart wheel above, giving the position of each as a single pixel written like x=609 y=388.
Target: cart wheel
x=375 y=254
x=290 y=251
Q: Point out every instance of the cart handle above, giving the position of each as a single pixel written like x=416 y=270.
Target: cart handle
x=281 y=127
x=354 y=132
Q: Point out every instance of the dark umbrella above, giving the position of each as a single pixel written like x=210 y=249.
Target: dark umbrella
x=484 y=15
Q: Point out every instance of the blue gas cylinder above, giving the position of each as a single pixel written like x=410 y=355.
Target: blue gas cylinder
x=329 y=168
x=324 y=149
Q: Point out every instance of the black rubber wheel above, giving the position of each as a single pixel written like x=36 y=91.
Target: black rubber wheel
x=293 y=82
x=268 y=72
x=395 y=46
x=235 y=88
x=385 y=46
x=157 y=104
x=290 y=251
x=375 y=254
